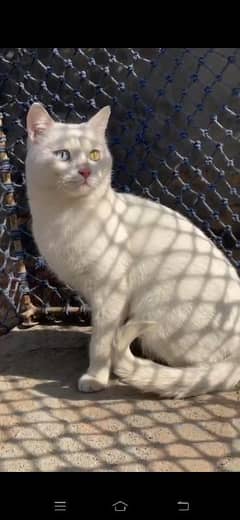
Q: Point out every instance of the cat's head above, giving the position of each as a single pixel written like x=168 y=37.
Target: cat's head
x=73 y=158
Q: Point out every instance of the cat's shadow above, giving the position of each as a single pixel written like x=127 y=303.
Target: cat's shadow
x=54 y=360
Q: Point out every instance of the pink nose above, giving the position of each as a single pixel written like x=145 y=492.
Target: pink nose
x=85 y=172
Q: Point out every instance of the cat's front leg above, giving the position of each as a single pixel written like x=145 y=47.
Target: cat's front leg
x=105 y=323
x=97 y=376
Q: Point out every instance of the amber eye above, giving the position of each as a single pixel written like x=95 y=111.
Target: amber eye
x=94 y=155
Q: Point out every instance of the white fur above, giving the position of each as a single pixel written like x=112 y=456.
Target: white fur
x=135 y=261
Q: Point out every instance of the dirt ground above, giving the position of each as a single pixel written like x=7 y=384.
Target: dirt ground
x=47 y=425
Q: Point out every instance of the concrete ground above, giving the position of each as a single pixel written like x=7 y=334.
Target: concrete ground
x=47 y=425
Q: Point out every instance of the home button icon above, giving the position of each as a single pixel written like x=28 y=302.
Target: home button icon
x=120 y=506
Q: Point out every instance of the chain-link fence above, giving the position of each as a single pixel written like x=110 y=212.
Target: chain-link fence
x=174 y=136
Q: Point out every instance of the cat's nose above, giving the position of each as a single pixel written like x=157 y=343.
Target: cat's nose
x=85 y=172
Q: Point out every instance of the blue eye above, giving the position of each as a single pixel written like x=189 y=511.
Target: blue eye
x=63 y=155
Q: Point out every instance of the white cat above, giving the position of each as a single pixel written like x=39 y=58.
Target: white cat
x=144 y=269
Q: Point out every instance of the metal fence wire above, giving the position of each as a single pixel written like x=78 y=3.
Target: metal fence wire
x=173 y=133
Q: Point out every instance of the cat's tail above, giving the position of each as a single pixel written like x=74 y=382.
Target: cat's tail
x=148 y=376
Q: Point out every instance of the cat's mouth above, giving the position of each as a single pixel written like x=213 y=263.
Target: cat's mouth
x=78 y=183
x=75 y=186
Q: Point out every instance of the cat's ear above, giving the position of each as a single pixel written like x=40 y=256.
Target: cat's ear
x=100 y=120
x=38 y=121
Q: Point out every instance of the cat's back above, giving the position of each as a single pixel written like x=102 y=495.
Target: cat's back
x=165 y=242
x=152 y=225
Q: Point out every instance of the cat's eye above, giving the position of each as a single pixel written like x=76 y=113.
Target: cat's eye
x=63 y=155
x=94 y=155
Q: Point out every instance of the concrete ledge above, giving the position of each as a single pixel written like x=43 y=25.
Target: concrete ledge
x=47 y=425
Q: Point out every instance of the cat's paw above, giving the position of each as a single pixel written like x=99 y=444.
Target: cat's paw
x=87 y=383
